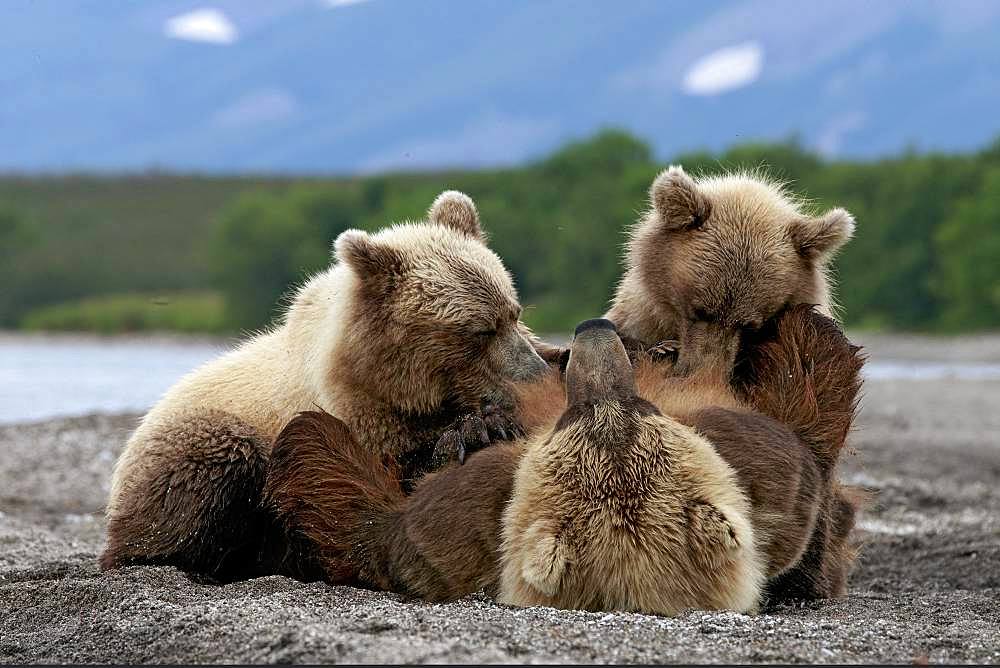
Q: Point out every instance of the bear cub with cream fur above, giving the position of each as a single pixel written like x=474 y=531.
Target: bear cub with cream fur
x=409 y=329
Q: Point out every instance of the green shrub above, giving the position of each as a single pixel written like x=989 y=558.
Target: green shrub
x=968 y=245
x=110 y=314
x=923 y=257
x=265 y=244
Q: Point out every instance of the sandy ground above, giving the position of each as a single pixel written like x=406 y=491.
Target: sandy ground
x=926 y=588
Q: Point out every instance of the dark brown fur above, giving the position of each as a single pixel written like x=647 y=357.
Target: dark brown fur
x=439 y=543
x=778 y=474
x=320 y=484
x=211 y=498
x=805 y=373
x=442 y=542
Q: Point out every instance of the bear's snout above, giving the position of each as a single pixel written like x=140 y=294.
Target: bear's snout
x=707 y=348
x=522 y=362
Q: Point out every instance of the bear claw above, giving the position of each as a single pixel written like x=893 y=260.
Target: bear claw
x=665 y=349
x=665 y=353
x=471 y=432
x=499 y=422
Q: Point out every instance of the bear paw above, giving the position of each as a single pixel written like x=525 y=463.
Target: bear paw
x=661 y=352
x=709 y=528
x=474 y=431
x=500 y=424
x=664 y=351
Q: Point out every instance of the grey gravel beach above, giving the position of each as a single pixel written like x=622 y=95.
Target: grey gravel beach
x=927 y=587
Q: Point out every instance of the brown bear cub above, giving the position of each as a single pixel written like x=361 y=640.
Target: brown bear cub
x=718 y=256
x=410 y=329
x=712 y=261
x=345 y=504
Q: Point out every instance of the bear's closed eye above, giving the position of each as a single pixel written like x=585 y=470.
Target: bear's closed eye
x=701 y=315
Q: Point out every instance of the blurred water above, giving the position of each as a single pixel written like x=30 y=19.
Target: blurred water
x=42 y=377
x=910 y=370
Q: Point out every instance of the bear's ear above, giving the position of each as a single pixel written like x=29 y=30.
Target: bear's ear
x=676 y=198
x=545 y=560
x=366 y=256
x=457 y=211
x=819 y=238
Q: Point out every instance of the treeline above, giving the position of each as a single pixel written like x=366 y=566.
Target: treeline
x=218 y=254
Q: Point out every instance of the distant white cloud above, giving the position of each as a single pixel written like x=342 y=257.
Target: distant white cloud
x=256 y=108
x=795 y=41
x=724 y=70
x=855 y=75
x=831 y=137
x=342 y=3
x=202 y=25
x=493 y=139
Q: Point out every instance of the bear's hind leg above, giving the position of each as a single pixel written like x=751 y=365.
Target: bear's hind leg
x=193 y=500
x=830 y=555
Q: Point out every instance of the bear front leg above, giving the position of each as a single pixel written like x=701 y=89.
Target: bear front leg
x=474 y=431
x=193 y=500
x=708 y=350
x=664 y=351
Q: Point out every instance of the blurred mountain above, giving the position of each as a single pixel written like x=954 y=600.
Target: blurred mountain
x=349 y=85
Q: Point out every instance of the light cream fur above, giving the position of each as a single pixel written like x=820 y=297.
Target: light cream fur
x=264 y=382
x=318 y=358
x=660 y=529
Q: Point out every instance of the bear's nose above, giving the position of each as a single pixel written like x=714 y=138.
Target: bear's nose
x=595 y=323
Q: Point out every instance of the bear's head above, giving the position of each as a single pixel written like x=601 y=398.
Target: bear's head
x=598 y=368
x=602 y=407
x=721 y=255
x=435 y=316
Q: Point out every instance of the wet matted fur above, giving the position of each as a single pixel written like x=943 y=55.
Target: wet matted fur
x=806 y=356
